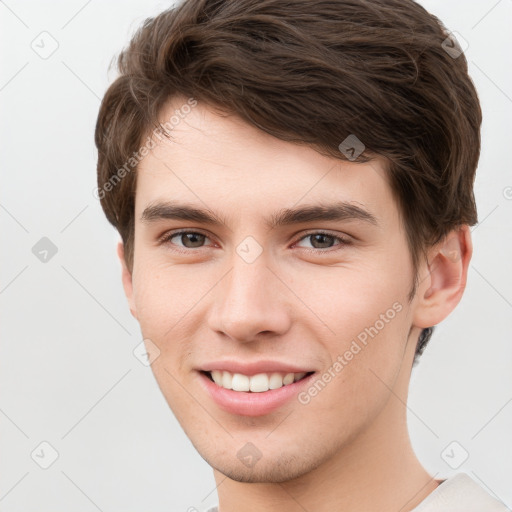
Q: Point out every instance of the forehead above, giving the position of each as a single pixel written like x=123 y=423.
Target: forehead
x=221 y=162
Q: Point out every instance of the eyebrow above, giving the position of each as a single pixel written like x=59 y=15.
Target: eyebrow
x=339 y=211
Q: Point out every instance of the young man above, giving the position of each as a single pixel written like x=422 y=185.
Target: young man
x=293 y=185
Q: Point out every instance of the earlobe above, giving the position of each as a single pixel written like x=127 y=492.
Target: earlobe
x=444 y=278
x=127 y=279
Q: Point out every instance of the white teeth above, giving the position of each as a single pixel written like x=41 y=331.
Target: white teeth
x=275 y=381
x=288 y=378
x=227 y=379
x=258 y=383
x=240 y=382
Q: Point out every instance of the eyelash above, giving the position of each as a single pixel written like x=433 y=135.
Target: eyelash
x=166 y=239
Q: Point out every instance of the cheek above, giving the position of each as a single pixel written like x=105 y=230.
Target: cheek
x=170 y=300
x=367 y=315
x=164 y=294
x=365 y=363
x=351 y=298
x=160 y=304
x=165 y=299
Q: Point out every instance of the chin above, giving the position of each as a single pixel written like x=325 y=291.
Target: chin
x=269 y=469
x=269 y=473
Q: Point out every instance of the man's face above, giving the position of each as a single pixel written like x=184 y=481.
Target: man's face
x=248 y=297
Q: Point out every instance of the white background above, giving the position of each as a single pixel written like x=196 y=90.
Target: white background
x=67 y=372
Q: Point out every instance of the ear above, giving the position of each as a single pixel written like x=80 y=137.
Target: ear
x=127 y=279
x=443 y=278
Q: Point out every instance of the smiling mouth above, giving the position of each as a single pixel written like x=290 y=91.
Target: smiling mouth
x=258 y=383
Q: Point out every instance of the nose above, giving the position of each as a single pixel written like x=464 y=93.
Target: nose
x=250 y=303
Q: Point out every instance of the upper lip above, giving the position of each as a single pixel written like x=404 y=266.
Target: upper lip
x=254 y=367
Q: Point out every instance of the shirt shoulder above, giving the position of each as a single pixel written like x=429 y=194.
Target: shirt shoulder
x=460 y=493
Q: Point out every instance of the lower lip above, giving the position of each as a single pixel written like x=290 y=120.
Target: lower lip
x=252 y=404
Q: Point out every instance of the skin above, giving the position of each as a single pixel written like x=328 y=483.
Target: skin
x=299 y=301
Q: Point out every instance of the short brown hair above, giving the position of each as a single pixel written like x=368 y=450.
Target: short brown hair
x=312 y=72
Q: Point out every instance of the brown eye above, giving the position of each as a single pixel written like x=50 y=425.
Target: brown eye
x=319 y=240
x=192 y=240
x=186 y=239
